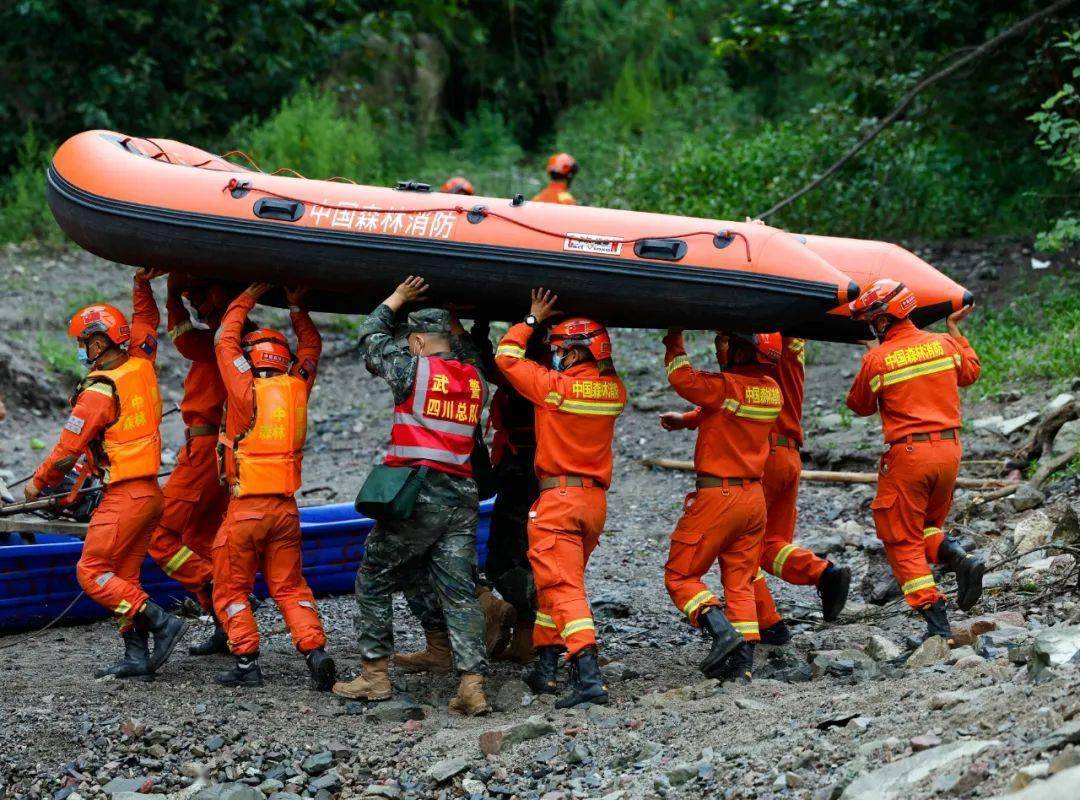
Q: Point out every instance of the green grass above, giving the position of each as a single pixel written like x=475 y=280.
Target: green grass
x=60 y=356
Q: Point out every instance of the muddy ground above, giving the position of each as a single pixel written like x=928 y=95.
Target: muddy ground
x=823 y=716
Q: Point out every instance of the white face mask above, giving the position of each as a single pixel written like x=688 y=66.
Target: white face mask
x=197 y=322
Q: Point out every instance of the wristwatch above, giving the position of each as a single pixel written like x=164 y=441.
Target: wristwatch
x=531 y=321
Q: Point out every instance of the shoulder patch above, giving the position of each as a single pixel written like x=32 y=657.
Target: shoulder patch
x=74 y=424
x=149 y=344
x=242 y=364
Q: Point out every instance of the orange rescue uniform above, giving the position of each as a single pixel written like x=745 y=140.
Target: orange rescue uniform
x=195 y=498
x=261 y=449
x=556 y=192
x=575 y=428
x=724 y=520
x=114 y=422
x=912 y=378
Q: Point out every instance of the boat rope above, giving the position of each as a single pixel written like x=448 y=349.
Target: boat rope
x=42 y=630
x=484 y=211
x=244 y=156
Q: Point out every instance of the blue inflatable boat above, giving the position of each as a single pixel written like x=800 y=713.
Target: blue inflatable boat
x=37 y=581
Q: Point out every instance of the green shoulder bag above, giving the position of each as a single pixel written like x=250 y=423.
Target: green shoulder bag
x=389 y=493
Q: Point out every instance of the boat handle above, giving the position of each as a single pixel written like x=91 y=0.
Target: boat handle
x=272 y=208
x=662 y=249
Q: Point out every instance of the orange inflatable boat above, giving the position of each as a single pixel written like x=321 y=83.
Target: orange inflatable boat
x=158 y=203
x=865 y=261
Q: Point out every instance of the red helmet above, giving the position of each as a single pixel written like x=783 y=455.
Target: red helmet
x=768 y=346
x=267 y=349
x=458 y=184
x=102 y=318
x=562 y=165
x=885 y=296
x=581 y=332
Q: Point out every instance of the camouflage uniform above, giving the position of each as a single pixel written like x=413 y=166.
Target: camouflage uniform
x=430 y=557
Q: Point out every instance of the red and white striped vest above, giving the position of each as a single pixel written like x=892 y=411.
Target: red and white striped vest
x=434 y=426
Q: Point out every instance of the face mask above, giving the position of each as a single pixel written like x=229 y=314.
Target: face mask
x=557 y=362
x=84 y=358
x=197 y=322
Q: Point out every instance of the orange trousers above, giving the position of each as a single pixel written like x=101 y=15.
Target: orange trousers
x=195 y=503
x=262 y=534
x=116 y=543
x=914 y=495
x=724 y=525
x=564 y=528
x=779 y=555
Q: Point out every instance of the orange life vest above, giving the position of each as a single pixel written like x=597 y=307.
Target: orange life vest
x=130 y=446
x=266 y=458
x=435 y=425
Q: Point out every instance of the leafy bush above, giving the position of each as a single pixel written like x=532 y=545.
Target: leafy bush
x=24 y=212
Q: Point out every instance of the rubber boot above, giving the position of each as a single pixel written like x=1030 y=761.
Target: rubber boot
x=969 y=572
x=216 y=642
x=246 y=673
x=435 y=657
x=521 y=647
x=136 y=661
x=739 y=666
x=833 y=588
x=542 y=677
x=586 y=682
x=470 y=699
x=776 y=635
x=725 y=638
x=499 y=619
x=322 y=669
x=166 y=629
x=937 y=621
x=373 y=682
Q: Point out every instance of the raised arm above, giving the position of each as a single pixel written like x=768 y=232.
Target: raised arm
x=861 y=397
x=382 y=356
x=234 y=367
x=308 y=339
x=532 y=381
x=970 y=368
x=145 y=316
x=700 y=388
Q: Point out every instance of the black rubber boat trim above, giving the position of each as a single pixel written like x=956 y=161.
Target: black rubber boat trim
x=824 y=293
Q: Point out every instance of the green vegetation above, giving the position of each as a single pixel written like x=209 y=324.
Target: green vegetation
x=59 y=354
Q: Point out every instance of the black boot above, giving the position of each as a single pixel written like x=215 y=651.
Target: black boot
x=969 y=572
x=777 y=635
x=136 y=661
x=833 y=587
x=586 y=682
x=937 y=620
x=542 y=677
x=725 y=638
x=739 y=666
x=216 y=642
x=322 y=669
x=245 y=673
x=166 y=629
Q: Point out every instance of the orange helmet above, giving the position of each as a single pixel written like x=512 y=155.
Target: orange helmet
x=267 y=349
x=562 y=165
x=581 y=332
x=458 y=184
x=102 y=318
x=768 y=346
x=885 y=296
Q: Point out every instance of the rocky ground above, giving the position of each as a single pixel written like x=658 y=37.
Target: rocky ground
x=835 y=714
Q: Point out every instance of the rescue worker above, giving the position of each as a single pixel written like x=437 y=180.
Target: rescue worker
x=261 y=449
x=439 y=396
x=780 y=556
x=115 y=416
x=723 y=521
x=576 y=403
x=561 y=168
x=457 y=185
x=912 y=379
x=195 y=499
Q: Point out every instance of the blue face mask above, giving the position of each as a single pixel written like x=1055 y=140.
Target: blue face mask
x=556 y=362
x=84 y=359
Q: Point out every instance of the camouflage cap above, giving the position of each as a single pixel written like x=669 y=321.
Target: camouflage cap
x=429 y=320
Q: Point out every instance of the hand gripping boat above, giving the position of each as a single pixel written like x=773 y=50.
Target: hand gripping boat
x=163 y=204
x=866 y=261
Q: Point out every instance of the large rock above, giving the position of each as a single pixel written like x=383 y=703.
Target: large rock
x=400 y=710
x=995 y=643
x=1032 y=531
x=896 y=779
x=1069 y=733
x=318 y=763
x=447 y=768
x=882 y=648
x=1054 y=646
x=1068 y=437
x=933 y=651
x=1026 y=497
x=1014 y=424
x=965 y=631
x=500 y=739
x=118 y=785
x=1057 y=787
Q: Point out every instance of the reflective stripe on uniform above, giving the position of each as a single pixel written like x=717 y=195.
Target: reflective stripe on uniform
x=181 y=329
x=441 y=425
x=928 y=532
x=759 y=577
x=577 y=626
x=697 y=601
x=917 y=584
x=677 y=363
x=592 y=408
x=233 y=609
x=745 y=627
x=510 y=351
x=307 y=604
x=781 y=558
x=178 y=560
x=554 y=398
x=544 y=621
x=103 y=578
x=751 y=412
x=100 y=388
x=429 y=454
x=123 y=607
x=914 y=371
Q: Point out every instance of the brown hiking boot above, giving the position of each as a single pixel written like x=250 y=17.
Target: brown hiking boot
x=435 y=657
x=521 y=647
x=373 y=682
x=499 y=616
x=470 y=699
